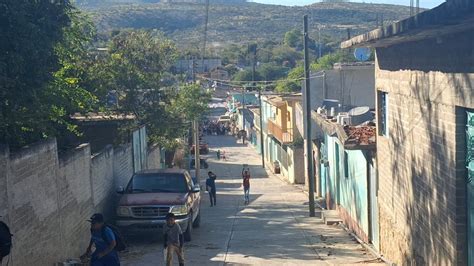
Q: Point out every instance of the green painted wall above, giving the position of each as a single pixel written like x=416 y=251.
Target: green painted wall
x=352 y=186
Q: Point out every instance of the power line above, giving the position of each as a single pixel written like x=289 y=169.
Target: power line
x=317 y=74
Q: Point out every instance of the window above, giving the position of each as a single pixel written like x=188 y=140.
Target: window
x=383 y=113
x=289 y=116
x=346 y=164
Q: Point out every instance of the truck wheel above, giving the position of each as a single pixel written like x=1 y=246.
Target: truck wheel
x=197 y=222
x=189 y=229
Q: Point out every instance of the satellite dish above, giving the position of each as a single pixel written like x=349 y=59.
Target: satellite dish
x=362 y=54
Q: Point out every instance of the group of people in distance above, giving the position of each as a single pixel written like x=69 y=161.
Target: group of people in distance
x=216 y=128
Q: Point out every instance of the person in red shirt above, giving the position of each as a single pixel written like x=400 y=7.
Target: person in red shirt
x=246 y=184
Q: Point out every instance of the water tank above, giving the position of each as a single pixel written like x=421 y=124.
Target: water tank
x=360 y=115
x=328 y=103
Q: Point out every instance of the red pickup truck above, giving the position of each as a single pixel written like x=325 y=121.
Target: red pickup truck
x=151 y=194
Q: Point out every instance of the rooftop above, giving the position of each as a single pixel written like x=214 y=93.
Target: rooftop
x=362 y=137
x=453 y=16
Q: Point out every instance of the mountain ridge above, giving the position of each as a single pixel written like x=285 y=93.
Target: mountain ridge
x=245 y=22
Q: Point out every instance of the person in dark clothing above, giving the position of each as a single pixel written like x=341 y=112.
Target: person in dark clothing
x=103 y=238
x=246 y=184
x=174 y=240
x=211 y=187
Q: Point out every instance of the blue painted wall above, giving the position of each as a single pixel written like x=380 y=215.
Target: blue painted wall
x=352 y=187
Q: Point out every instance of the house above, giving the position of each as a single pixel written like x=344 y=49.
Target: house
x=347 y=173
x=352 y=84
x=347 y=85
x=424 y=79
x=283 y=146
x=238 y=99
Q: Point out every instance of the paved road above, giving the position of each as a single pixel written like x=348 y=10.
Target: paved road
x=272 y=230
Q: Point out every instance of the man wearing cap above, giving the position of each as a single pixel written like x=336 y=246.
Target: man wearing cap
x=103 y=238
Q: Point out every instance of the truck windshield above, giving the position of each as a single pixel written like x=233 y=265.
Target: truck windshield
x=173 y=183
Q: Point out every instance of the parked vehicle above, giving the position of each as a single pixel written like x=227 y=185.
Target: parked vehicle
x=151 y=194
x=203 y=148
x=224 y=119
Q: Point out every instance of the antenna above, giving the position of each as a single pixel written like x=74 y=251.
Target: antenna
x=362 y=54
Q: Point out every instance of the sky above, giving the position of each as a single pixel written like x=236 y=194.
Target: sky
x=423 y=3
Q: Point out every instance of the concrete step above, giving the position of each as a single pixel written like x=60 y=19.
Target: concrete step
x=331 y=217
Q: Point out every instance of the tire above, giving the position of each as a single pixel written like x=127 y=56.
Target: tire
x=187 y=234
x=197 y=221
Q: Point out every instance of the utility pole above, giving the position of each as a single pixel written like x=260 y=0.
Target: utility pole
x=309 y=150
x=262 y=148
x=197 y=160
x=197 y=157
x=319 y=41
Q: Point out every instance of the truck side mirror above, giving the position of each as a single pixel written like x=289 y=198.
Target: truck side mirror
x=120 y=190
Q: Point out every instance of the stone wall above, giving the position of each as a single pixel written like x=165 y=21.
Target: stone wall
x=46 y=199
x=422 y=176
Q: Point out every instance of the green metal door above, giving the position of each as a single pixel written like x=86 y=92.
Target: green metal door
x=470 y=185
x=338 y=173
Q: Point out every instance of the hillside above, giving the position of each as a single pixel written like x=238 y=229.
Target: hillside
x=246 y=22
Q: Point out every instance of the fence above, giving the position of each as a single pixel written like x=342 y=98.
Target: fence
x=46 y=198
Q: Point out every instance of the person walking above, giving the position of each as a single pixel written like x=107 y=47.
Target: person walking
x=173 y=240
x=104 y=240
x=246 y=184
x=219 y=155
x=211 y=187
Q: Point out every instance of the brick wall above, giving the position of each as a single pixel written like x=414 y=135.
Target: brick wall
x=420 y=164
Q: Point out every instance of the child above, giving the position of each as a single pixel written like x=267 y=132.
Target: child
x=211 y=187
x=246 y=183
x=173 y=241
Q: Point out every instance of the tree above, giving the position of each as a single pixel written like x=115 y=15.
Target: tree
x=288 y=86
x=246 y=75
x=286 y=56
x=271 y=71
x=293 y=38
x=39 y=88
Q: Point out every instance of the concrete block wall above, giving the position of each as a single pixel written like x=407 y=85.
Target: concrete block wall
x=47 y=199
x=4 y=165
x=422 y=200
x=154 y=157
x=33 y=205
x=75 y=199
x=123 y=164
x=352 y=86
x=102 y=181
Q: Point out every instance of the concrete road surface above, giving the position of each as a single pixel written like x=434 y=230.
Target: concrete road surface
x=274 y=229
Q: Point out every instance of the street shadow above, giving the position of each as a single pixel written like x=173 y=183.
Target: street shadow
x=260 y=231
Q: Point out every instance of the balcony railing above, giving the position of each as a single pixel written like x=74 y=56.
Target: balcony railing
x=284 y=136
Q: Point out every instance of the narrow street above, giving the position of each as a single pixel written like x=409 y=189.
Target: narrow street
x=274 y=229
